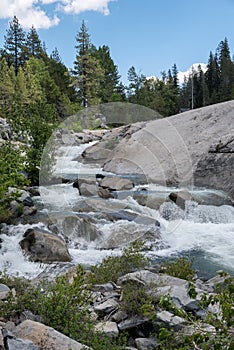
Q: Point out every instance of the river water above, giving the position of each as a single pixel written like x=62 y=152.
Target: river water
x=202 y=232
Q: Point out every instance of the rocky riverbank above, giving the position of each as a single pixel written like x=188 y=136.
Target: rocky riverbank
x=148 y=308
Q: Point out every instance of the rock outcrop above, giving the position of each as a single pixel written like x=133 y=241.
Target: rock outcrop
x=191 y=147
x=215 y=168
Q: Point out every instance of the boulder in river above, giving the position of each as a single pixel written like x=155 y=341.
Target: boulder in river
x=116 y=183
x=180 y=198
x=44 y=246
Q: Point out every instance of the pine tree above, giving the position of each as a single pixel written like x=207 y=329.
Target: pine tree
x=175 y=76
x=33 y=44
x=137 y=81
x=87 y=71
x=15 y=45
x=226 y=71
x=212 y=79
x=110 y=86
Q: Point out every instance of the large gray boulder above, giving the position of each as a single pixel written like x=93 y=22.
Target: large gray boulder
x=44 y=246
x=46 y=338
x=170 y=150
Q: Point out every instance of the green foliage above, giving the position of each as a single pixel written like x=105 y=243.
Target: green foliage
x=136 y=301
x=11 y=174
x=87 y=72
x=181 y=268
x=112 y=267
x=111 y=143
x=23 y=296
x=64 y=305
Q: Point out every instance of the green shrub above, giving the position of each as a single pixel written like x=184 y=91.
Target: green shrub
x=136 y=301
x=64 y=305
x=23 y=296
x=113 y=267
x=181 y=268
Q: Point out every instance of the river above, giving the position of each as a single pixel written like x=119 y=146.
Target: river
x=202 y=232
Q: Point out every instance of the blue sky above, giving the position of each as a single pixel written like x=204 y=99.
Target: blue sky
x=151 y=35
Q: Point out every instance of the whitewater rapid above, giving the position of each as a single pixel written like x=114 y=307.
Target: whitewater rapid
x=205 y=229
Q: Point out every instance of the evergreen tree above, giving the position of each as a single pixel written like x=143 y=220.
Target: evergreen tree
x=212 y=78
x=226 y=71
x=7 y=86
x=137 y=81
x=15 y=45
x=110 y=86
x=175 y=76
x=34 y=45
x=87 y=70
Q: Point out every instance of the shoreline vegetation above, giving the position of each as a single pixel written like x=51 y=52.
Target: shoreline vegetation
x=124 y=303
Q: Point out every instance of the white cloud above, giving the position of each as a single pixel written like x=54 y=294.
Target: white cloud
x=33 y=12
x=188 y=72
x=78 y=6
x=182 y=75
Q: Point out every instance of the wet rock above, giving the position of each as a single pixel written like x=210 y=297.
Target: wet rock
x=46 y=337
x=105 y=193
x=127 y=235
x=29 y=210
x=110 y=329
x=151 y=199
x=180 y=198
x=4 y=291
x=210 y=197
x=89 y=180
x=44 y=246
x=116 y=184
x=75 y=228
x=87 y=190
x=96 y=154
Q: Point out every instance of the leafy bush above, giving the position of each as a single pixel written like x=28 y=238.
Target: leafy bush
x=11 y=174
x=112 y=267
x=23 y=296
x=181 y=268
x=136 y=301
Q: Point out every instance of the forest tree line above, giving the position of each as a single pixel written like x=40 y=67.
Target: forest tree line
x=32 y=79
